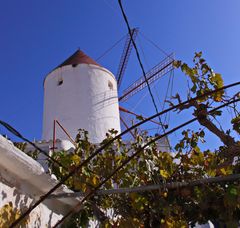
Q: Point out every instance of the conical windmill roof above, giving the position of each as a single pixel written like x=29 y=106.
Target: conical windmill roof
x=77 y=58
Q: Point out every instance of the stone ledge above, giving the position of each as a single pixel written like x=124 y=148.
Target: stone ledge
x=21 y=171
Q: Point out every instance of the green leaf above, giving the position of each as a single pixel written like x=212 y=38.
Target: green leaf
x=236 y=124
x=198 y=54
x=194 y=88
x=139 y=118
x=185 y=69
x=233 y=191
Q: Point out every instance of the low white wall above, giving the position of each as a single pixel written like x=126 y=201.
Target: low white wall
x=13 y=201
x=23 y=181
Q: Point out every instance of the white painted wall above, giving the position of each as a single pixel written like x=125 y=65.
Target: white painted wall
x=47 y=147
x=87 y=99
x=23 y=181
x=42 y=216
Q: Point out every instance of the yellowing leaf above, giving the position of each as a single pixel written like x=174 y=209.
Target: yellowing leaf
x=164 y=173
x=76 y=159
x=218 y=80
x=223 y=171
x=165 y=194
x=177 y=63
x=218 y=96
x=211 y=173
x=95 y=180
x=9 y=214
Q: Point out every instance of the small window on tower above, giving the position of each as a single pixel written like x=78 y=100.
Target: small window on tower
x=60 y=81
x=110 y=85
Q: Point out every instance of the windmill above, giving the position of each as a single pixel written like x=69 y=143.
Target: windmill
x=80 y=93
x=162 y=68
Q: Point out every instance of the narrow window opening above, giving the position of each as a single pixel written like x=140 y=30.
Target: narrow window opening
x=110 y=85
x=60 y=82
x=74 y=65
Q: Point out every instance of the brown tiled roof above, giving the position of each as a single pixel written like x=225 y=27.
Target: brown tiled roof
x=77 y=58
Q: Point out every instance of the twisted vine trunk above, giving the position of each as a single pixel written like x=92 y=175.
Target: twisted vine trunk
x=232 y=147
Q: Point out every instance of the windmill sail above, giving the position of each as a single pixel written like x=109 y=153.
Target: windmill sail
x=125 y=56
x=154 y=74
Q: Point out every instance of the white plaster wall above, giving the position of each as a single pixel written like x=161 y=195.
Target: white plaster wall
x=42 y=216
x=84 y=100
x=47 y=147
x=23 y=181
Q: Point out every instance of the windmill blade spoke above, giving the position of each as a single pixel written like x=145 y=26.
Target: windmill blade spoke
x=125 y=56
x=154 y=74
x=126 y=126
x=137 y=115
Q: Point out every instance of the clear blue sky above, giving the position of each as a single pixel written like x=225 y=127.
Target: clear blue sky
x=38 y=35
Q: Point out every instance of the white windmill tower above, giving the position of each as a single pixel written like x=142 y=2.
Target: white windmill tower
x=80 y=93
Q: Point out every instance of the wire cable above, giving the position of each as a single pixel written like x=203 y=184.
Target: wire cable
x=171 y=94
x=109 y=49
x=166 y=96
x=77 y=168
x=113 y=9
x=155 y=45
x=139 y=60
x=16 y=133
x=144 y=188
x=76 y=208
x=143 y=53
